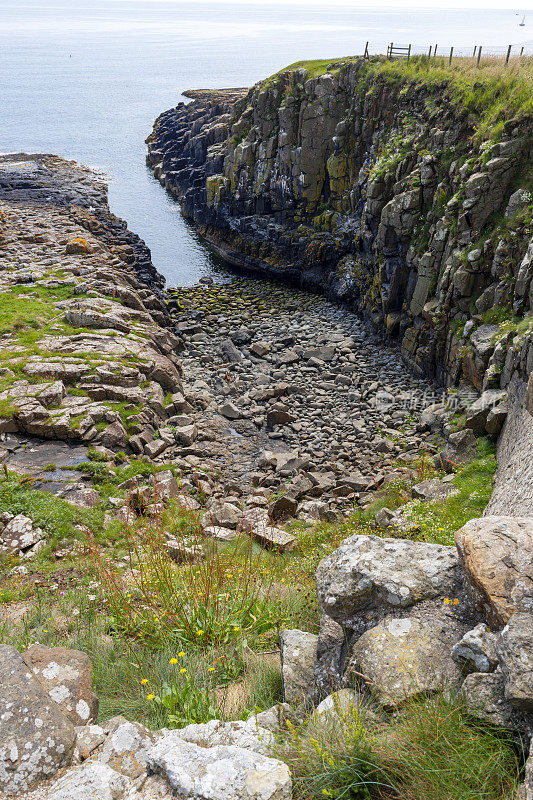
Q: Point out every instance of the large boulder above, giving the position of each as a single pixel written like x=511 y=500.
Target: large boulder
x=369 y=573
x=515 y=651
x=20 y=536
x=403 y=658
x=298 y=659
x=36 y=739
x=67 y=677
x=219 y=773
x=497 y=555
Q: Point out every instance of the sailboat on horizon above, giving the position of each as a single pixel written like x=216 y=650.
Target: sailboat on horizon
x=523 y=21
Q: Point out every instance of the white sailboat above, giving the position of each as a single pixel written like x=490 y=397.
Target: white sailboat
x=523 y=22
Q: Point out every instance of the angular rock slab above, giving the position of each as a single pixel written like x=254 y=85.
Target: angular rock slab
x=497 y=555
x=67 y=677
x=403 y=658
x=369 y=572
x=90 y=781
x=298 y=659
x=36 y=739
x=274 y=538
x=219 y=773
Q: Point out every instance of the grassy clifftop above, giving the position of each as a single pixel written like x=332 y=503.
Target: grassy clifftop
x=492 y=92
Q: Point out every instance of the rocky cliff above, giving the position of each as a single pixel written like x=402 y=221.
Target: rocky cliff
x=400 y=191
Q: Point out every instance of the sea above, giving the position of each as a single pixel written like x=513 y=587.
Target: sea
x=85 y=79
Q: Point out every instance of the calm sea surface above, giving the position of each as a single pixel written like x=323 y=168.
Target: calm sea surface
x=85 y=79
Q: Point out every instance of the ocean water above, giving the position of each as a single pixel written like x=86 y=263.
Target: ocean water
x=85 y=79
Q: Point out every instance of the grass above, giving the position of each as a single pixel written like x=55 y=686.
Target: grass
x=439 y=520
x=431 y=750
x=492 y=93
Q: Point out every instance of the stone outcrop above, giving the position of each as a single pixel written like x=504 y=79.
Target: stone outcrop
x=376 y=192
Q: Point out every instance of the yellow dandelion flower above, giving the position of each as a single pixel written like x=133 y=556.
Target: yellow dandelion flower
x=144 y=681
x=199 y=632
x=150 y=696
x=183 y=670
x=210 y=669
x=181 y=655
x=173 y=661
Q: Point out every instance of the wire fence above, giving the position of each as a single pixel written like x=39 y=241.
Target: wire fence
x=477 y=53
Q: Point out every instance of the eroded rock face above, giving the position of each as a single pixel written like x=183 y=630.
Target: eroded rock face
x=368 y=572
x=67 y=677
x=36 y=739
x=497 y=555
x=217 y=773
x=111 y=343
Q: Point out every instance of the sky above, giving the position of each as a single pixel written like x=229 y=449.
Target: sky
x=522 y=5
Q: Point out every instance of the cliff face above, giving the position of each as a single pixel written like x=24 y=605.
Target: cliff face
x=379 y=192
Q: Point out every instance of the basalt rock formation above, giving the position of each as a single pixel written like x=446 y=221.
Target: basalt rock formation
x=378 y=192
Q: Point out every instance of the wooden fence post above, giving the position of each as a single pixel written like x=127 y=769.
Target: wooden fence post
x=508 y=54
x=409 y=53
x=430 y=49
x=521 y=52
x=366 y=51
x=479 y=54
x=435 y=52
x=450 y=58
x=474 y=53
